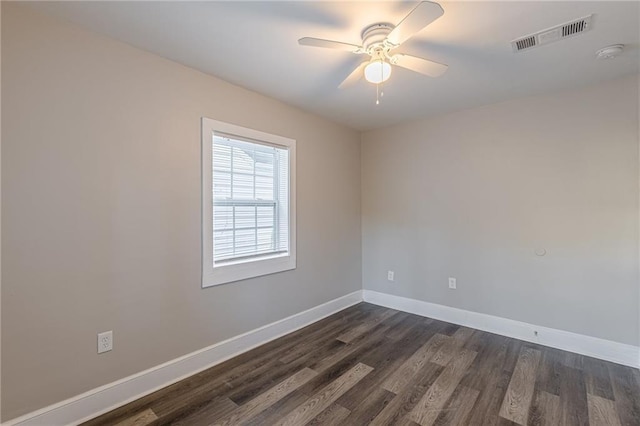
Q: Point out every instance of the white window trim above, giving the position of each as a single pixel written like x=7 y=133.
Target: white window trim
x=241 y=270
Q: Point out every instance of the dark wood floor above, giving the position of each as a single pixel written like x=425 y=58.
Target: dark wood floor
x=372 y=365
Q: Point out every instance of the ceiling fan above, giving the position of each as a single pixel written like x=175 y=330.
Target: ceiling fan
x=380 y=40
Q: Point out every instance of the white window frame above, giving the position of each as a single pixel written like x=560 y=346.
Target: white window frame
x=251 y=267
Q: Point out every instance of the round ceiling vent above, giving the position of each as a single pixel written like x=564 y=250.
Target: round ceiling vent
x=610 y=52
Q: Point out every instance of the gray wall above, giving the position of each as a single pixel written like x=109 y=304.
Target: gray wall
x=472 y=194
x=101 y=211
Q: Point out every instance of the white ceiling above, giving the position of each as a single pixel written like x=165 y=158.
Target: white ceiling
x=254 y=45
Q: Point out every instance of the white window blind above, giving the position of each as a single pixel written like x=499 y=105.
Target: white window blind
x=250 y=199
x=248 y=203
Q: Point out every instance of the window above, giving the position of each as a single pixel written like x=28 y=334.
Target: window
x=248 y=203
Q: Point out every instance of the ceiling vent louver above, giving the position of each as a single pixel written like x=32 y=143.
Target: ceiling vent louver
x=556 y=33
x=526 y=43
x=574 y=28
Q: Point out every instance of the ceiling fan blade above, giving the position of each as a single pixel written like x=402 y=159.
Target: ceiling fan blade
x=420 y=65
x=329 y=44
x=354 y=77
x=423 y=14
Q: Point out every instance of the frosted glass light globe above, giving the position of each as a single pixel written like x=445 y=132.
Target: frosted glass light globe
x=377 y=71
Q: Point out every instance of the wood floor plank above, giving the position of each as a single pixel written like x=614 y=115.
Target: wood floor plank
x=429 y=406
x=334 y=415
x=254 y=383
x=320 y=401
x=491 y=357
x=274 y=413
x=446 y=328
x=573 y=397
x=516 y=403
x=545 y=410
x=141 y=419
x=504 y=422
x=401 y=405
x=374 y=402
x=602 y=412
x=488 y=404
x=309 y=341
x=359 y=330
x=331 y=373
x=514 y=348
x=268 y=398
x=401 y=323
x=361 y=345
x=452 y=346
x=626 y=382
x=548 y=378
x=573 y=360
x=456 y=412
x=398 y=380
x=312 y=344
x=206 y=415
x=485 y=374
x=385 y=359
x=492 y=393
x=597 y=380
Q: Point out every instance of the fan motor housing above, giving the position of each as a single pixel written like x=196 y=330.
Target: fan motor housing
x=375 y=34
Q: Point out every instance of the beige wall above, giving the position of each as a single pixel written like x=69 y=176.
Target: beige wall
x=101 y=211
x=472 y=194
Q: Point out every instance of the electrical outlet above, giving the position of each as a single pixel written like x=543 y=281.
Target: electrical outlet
x=452 y=283
x=390 y=275
x=105 y=341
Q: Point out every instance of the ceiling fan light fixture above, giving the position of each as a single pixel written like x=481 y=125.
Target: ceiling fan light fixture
x=379 y=41
x=377 y=71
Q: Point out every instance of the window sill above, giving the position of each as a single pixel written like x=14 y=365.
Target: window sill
x=248 y=269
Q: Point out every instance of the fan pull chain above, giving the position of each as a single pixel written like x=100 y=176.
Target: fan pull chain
x=379 y=93
x=378 y=86
x=382 y=81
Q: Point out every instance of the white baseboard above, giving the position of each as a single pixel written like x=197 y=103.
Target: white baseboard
x=607 y=350
x=108 y=397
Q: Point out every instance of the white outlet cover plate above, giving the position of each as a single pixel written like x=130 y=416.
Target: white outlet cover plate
x=452 y=283
x=390 y=275
x=105 y=341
